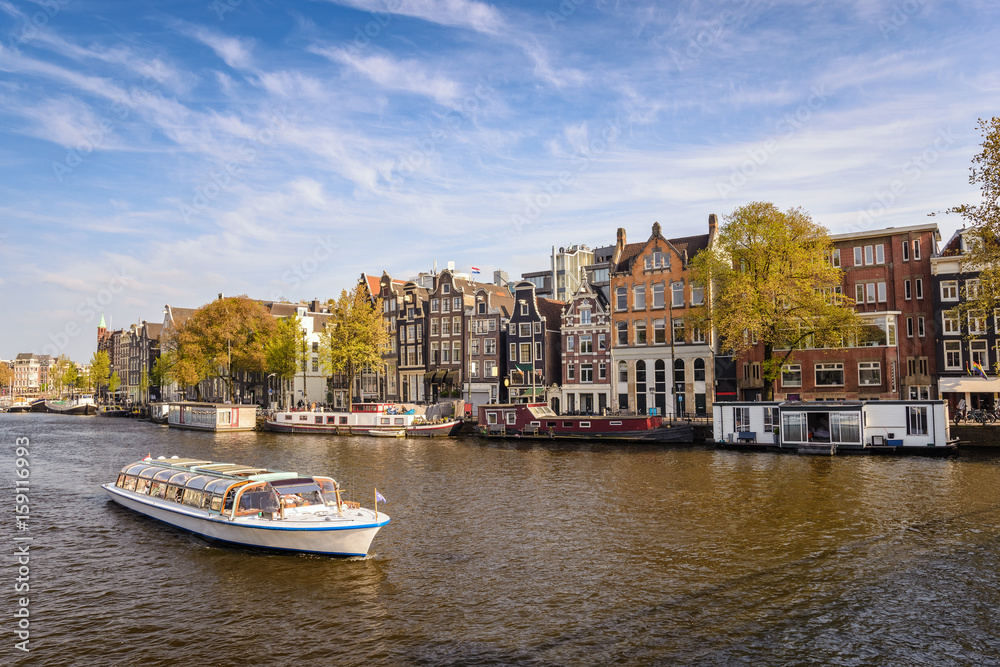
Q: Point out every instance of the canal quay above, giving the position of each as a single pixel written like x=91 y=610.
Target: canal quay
x=504 y=552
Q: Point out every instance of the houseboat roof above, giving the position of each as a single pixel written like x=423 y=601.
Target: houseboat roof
x=221 y=470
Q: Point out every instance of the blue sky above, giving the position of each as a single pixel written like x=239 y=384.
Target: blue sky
x=162 y=152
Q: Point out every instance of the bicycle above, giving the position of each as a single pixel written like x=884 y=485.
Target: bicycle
x=981 y=416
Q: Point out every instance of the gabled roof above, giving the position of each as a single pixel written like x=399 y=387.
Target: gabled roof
x=629 y=253
x=551 y=310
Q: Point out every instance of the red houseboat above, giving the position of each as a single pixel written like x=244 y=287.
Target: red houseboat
x=537 y=420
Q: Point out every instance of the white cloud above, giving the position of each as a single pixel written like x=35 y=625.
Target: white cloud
x=469 y=14
x=403 y=75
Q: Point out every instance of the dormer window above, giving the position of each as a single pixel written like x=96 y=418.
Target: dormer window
x=446 y=289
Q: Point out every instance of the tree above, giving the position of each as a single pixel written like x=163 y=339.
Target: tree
x=72 y=377
x=6 y=376
x=59 y=371
x=222 y=338
x=771 y=281
x=982 y=254
x=100 y=369
x=161 y=374
x=284 y=349
x=114 y=383
x=144 y=386
x=354 y=335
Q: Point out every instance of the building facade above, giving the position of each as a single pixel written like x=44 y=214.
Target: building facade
x=411 y=320
x=488 y=319
x=661 y=362
x=586 y=345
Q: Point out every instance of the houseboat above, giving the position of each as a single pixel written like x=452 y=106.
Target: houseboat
x=212 y=416
x=19 y=406
x=379 y=419
x=248 y=506
x=83 y=405
x=538 y=420
x=831 y=427
x=159 y=413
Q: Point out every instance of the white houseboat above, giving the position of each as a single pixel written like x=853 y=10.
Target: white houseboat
x=378 y=419
x=212 y=416
x=248 y=506
x=829 y=427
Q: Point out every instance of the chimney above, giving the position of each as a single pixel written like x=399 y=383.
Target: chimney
x=656 y=229
x=621 y=236
x=713 y=222
x=220 y=296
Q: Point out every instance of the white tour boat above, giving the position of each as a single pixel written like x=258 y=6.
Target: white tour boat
x=249 y=506
x=377 y=419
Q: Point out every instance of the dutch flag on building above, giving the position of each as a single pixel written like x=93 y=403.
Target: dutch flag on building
x=475 y=270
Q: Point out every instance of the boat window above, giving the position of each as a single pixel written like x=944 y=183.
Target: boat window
x=258 y=498
x=329 y=489
x=298 y=492
x=550 y=424
x=216 y=503
x=142 y=486
x=164 y=475
x=584 y=424
x=175 y=493
x=288 y=418
x=535 y=424
x=386 y=421
x=319 y=420
x=121 y=481
x=198 y=482
x=567 y=424
x=181 y=478
x=148 y=473
x=615 y=423
x=134 y=468
x=331 y=420
x=218 y=486
x=399 y=421
x=193 y=498
x=130 y=483
x=158 y=490
x=303 y=418
x=343 y=420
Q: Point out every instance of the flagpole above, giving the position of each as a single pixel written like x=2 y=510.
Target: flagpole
x=376 y=504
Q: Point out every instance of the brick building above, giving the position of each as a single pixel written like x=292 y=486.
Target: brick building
x=586 y=346
x=534 y=353
x=487 y=321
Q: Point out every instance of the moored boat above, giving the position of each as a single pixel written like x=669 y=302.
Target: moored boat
x=377 y=419
x=538 y=420
x=835 y=427
x=248 y=506
x=20 y=406
x=38 y=405
x=212 y=416
x=83 y=405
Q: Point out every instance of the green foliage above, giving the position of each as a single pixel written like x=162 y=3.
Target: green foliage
x=983 y=237
x=100 y=369
x=354 y=335
x=71 y=378
x=114 y=383
x=6 y=375
x=284 y=349
x=771 y=282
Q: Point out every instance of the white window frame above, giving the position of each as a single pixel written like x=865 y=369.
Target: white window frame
x=870 y=367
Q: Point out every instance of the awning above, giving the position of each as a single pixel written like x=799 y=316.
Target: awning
x=536 y=391
x=429 y=375
x=970 y=385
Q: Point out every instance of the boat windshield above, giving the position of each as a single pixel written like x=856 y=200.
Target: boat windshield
x=299 y=491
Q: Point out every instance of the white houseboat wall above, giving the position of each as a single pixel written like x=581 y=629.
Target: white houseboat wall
x=835 y=426
x=212 y=416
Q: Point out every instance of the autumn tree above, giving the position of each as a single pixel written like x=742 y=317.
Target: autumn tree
x=354 y=336
x=100 y=369
x=771 y=281
x=58 y=373
x=71 y=378
x=114 y=384
x=6 y=376
x=982 y=239
x=222 y=338
x=161 y=373
x=285 y=349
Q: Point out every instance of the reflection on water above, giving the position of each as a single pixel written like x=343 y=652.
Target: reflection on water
x=523 y=553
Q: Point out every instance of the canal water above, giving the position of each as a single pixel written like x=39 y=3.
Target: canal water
x=515 y=553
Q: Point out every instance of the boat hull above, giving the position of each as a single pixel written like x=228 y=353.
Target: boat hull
x=19 y=408
x=84 y=409
x=432 y=430
x=306 y=537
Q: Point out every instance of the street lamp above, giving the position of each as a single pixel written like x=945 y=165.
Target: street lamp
x=267 y=382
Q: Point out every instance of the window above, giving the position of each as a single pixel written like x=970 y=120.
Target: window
x=658 y=295
x=869 y=258
x=920 y=327
x=953 y=355
x=699 y=370
x=489 y=368
x=880 y=254
x=697 y=295
x=741 y=419
x=857 y=256
x=972 y=288
x=977 y=353
x=434 y=353
x=949 y=322
x=445 y=326
x=435 y=326
x=481 y=307
x=586 y=344
x=909 y=327
x=524 y=330
x=456 y=303
x=474 y=346
x=622 y=371
x=446 y=288
x=919 y=284
x=602 y=344
x=570 y=343
x=677 y=294
x=920 y=392
x=474 y=369
x=456 y=351
x=640 y=333
x=586 y=372
x=621 y=298
x=538 y=350
x=585 y=316
x=791 y=375
x=871 y=292
x=511 y=417
x=659 y=331
x=434 y=305
x=906 y=251
x=445 y=305
x=859 y=293
x=445 y=353
x=829 y=375
x=793 y=426
x=869 y=373
x=906 y=290
x=678 y=325
x=490 y=346
x=456 y=325
x=977 y=323
x=526 y=352
x=571 y=372
x=538 y=327
x=513 y=352
x=880 y=287
x=602 y=371
x=834 y=257
x=622 y=332
x=949 y=290
x=524 y=308
x=916 y=249
x=639 y=297
x=916 y=420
